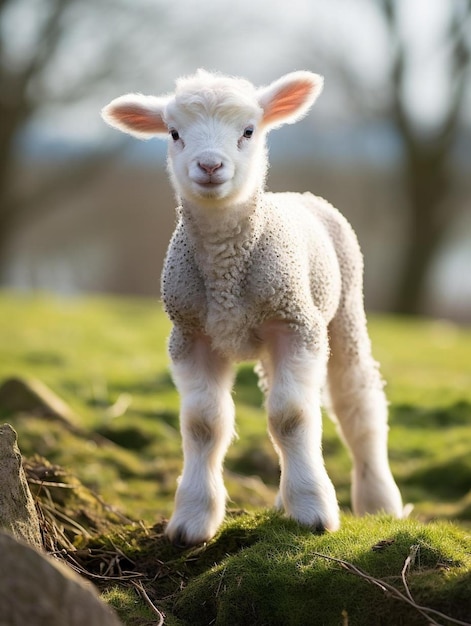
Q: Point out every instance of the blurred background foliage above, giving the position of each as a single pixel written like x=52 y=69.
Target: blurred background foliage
x=83 y=209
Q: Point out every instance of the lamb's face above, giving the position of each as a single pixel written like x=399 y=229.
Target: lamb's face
x=216 y=150
x=216 y=127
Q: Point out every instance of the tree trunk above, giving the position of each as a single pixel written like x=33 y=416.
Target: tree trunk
x=428 y=184
x=427 y=178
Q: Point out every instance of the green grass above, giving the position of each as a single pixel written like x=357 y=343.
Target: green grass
x=106 y=359
x=100 y=354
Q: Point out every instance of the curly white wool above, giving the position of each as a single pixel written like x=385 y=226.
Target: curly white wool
x=271 y=277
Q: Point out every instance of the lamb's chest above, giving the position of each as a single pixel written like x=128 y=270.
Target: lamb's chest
x=231 y=315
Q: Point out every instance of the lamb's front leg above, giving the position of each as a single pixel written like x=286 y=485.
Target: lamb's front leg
x=204 y=380
x=295 y=377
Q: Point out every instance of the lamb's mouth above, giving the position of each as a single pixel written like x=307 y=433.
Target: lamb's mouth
x=210 y=187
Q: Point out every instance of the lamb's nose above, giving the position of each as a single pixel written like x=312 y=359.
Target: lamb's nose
x=210 y=167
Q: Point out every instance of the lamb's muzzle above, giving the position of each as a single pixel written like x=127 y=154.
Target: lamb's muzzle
x=210 y=166
x=272 y=277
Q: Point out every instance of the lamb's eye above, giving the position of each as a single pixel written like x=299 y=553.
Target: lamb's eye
x=248 y=132
x=174 y=134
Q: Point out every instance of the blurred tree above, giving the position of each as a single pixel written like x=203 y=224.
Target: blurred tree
x=427 y=172
x=34 y=37
x=57 y=54
x=21 y=69
x=394 y=85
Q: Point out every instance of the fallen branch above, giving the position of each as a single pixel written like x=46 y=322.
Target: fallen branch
x=393 y=591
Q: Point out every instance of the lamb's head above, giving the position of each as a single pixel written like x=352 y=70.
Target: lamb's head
x=216 y=127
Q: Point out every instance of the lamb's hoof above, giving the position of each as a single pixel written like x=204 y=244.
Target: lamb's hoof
x=319 y=529
x=317 y=519
x=180 y=541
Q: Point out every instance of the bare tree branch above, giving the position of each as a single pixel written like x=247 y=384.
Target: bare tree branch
x=48 y=39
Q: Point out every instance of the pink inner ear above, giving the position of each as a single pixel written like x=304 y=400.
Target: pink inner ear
x=288 y=100
x=138 y=118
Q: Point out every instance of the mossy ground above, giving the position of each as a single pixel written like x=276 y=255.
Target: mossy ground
x=106 y=358
x=281 y=579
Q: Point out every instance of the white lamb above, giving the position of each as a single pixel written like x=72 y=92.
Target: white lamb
x=271 y=277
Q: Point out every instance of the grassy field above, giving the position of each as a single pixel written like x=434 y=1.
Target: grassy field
x=106 y=359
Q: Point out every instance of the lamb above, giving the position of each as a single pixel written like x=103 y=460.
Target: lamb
x=270 y=277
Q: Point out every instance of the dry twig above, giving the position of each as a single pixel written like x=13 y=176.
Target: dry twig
x=142 y=592
x=393 y=591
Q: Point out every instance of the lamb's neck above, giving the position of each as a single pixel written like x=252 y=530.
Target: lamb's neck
x=223 y=236
x=219 y=224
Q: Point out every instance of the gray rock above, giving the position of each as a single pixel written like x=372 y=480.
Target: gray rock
x=17 y=510
x=39 y=590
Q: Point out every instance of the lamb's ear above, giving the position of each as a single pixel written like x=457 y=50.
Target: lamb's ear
x=289 y=98
x=138 y=115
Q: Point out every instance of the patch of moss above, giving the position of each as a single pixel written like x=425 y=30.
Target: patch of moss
x=279 y=579
x=264 y=569
x=128 y=606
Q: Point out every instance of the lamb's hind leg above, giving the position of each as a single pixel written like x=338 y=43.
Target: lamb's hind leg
x=204 y=380
x=359 y=403
x=295 y=377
